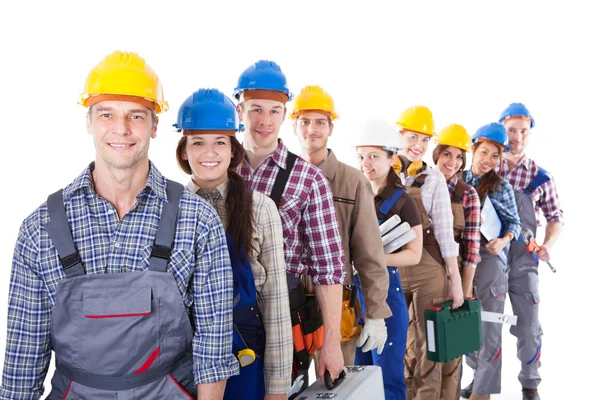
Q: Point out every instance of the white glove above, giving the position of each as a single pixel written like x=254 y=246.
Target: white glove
x=375 y=334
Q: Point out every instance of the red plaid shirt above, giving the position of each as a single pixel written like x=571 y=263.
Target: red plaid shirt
x=471 y=233
x=544 y=197
x=312 y=242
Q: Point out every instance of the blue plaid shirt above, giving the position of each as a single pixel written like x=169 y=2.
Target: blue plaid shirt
x=504 y=203
x=199 y=263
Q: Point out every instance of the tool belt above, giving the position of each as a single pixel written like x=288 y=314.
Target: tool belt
x=307 y=325
x=351 y=313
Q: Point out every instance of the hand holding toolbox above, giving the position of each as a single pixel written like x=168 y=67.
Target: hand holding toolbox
x=452 y=333
x=355 y=383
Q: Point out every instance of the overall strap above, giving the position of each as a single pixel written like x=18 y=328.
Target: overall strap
x=541 y=178
x=387 y=205
x=165 y=235
x=282 y=178
x=60 y=233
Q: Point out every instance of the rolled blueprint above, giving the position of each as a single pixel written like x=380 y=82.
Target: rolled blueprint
x=401 y=241
x=395 y=233
x=389 y=224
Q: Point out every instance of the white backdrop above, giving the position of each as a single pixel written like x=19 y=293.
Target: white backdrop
x=465 y=60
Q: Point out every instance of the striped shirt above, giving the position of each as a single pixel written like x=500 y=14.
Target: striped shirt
x=471 y=233
x=199 y=263
x=268 y=268
x=312 y=241
x=545 y=197
x=436 y=201
x=503 y=200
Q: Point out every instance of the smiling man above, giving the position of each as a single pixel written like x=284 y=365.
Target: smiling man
x=313 y=116
x=535 y=190
x=123 y=274
x=311 y=236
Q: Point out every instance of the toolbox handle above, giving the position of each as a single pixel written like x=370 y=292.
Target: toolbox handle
x=333 y=384
x=470 y=304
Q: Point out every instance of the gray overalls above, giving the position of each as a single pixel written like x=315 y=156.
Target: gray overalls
x=121 y=335
x=523 y=283
x=490 y=285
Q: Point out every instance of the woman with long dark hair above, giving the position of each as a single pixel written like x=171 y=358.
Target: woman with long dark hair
x=491 y=276
x=450 y=158
x=262 y=339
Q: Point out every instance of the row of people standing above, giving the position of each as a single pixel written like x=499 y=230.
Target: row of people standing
x=303 y=230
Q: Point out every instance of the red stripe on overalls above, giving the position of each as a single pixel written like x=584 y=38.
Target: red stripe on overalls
x=180 y=388
x=536 y=357
x=118 y=315
x=148 y=362
x=68 y=390
x=498 y=354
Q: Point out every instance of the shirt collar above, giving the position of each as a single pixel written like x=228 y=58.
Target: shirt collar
x=328 y=165
x=222 y=189
x=387 y=193
x=155 y=183
x=452 y=182
x=524 y=162
x=280 y=154
x=471 y=179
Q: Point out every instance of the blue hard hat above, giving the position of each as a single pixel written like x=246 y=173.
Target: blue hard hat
x=516 y=110
x=265 y=75
x=208 y=109
x=495 y=132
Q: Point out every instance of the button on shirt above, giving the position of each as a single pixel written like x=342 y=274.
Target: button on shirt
x=436 y=201
x=312 y=241
x=503 y=200
x=199 y=263
x=268 y=269
x=545 y=197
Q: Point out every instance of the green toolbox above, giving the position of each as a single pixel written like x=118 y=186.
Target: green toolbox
x=452 y=333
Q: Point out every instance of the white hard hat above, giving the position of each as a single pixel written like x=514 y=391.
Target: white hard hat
x=377 y=132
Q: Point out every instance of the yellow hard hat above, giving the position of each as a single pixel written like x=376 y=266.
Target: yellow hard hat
x=125 y=74
x=313 y=98
x=417 y=119
x=454 y=135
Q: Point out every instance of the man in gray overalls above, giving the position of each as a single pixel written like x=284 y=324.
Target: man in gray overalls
x=534 y=189
x=123 y=274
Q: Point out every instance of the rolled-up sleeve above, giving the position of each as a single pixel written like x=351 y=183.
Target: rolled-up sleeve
x=549 y=202
x=324 y=253
x=213 y=305
x=28 y=349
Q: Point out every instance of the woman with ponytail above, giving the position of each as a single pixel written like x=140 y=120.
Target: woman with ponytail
x=491 y=276
x=376 y=152
x=262 y=337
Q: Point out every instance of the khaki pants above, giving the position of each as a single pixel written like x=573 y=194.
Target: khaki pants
x=424 y=285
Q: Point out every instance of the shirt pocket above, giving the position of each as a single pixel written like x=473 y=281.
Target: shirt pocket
x=290 y=212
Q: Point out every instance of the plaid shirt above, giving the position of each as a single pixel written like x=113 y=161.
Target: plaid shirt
x=471 y=234
x=199 y=263
x=504 y=203
x=436 y=201
x=312 y=241
x=268 y=269
x=544 y=197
